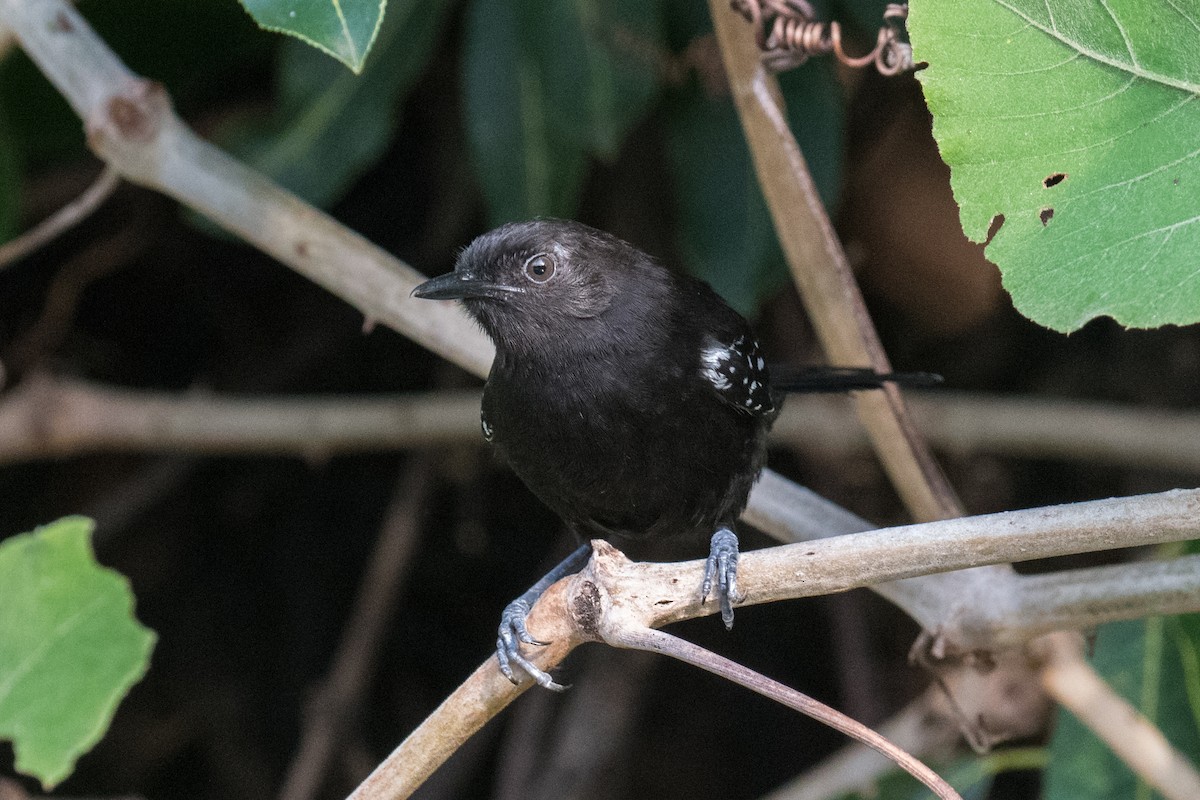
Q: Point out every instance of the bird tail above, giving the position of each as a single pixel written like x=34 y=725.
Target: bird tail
x=811 y=380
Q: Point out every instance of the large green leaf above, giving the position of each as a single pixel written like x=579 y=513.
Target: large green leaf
x=726 y=234
x=591 y=65
x=1076 y=120
x=332 y=126
x=1153 y=664
x=70 y=647
x=345 y=29
x=527 y=168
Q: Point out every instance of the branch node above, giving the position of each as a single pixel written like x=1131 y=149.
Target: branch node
x=135 y=115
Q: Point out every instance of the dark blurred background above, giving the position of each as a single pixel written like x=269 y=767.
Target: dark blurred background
x=471 y=113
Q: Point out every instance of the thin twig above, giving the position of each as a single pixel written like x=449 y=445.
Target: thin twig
x=918 y=728
x=100 y=258
x=62 y=220
x=683 y=650
x=332 y=706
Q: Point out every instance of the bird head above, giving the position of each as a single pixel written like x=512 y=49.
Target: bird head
x=539 y=281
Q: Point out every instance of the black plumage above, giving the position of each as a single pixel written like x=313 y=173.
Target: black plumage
x=633 y=401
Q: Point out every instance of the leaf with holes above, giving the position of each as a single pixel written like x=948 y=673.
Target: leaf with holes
x=345 y=29
x=70 y=647
x=1075 y=122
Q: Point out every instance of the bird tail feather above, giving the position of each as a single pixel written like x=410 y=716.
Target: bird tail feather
x=810 y=380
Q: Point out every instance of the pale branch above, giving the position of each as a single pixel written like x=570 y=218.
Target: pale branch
x=131 y=125
x=821 y=271
x=664 y=593
x=649 y=595
x=968 y=423
x=52 y=416
x=61 y=220
x=483 y=695
x=48 y=416
x=1081 y=599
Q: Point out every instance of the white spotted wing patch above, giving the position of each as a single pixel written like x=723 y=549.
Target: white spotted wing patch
x=488 y=430
x=738 y=373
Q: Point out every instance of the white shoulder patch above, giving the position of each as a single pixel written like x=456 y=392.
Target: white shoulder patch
x=488 y=431
x=738 y=373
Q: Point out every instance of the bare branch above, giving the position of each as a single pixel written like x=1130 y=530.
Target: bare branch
x=649 y=595
x=51 y=416
x=131 y=125
x=48 y=416
x=821 y=271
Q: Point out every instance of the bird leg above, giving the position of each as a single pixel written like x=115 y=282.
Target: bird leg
x=722 y=566
x=512 y=621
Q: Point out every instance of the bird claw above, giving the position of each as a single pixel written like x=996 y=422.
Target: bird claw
x=721 y=569
x=508 y=647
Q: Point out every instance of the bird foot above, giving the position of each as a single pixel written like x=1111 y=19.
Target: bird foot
x=508 y=647
x=721 y=570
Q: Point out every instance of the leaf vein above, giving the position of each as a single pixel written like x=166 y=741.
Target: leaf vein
x=337 y=6
x=59 y=632
x=1096 y=55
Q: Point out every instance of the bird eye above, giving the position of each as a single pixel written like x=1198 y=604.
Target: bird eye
x=539 y=268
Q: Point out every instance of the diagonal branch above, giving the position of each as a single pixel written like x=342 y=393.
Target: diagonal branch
x=649 y=595
x=821 y=271
x=131 y=125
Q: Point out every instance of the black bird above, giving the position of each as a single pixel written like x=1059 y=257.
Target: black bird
x=632 y=401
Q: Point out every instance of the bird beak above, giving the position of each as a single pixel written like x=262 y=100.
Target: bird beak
x=458 y=286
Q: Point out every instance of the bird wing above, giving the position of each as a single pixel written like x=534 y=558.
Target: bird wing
x=737 y=372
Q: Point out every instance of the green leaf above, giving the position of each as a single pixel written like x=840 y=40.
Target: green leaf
x=591 y=65
x=332 y=126
x=70 y=647
x=527 y=168
x=1077 y=122
x=726 y=234
x=1149 y=663
x=971 y=776
x=345 y=29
